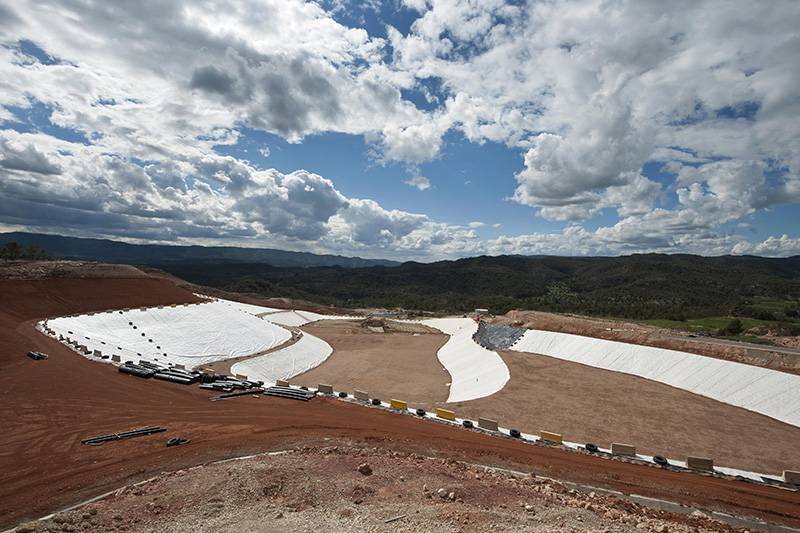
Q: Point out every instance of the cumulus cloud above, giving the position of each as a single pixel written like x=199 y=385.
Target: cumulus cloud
x=590 y=108
x=139 y=98
x=26 y=159
x=420 y=182
x=773 y=246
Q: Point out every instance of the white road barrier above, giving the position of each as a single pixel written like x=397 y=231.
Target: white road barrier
x=768 y=392
x=475 y=371
x=191 y=335
x=305 y=354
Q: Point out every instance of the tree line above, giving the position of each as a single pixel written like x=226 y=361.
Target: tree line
x=12 y=251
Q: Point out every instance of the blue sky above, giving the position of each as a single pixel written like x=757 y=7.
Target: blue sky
x=407 y=129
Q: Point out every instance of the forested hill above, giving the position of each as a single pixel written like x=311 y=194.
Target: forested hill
x=144 y=254
x=637 y=286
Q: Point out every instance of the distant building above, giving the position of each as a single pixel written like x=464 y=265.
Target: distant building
x=481 y=312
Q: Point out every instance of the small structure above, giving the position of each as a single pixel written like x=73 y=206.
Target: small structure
x=481 y=312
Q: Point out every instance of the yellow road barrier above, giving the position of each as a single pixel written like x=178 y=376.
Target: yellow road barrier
x=550 y=437
x=446 y=414
x=398 y=404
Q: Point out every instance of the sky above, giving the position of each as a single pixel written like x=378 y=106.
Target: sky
x=405 y=129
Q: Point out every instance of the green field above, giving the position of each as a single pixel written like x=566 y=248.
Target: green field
x=772 y=305
x=711 y=326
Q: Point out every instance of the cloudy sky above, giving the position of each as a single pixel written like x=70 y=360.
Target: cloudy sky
x=406 y=129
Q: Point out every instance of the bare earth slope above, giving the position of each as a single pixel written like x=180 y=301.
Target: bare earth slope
x=387 y=365
x=404 y=492
x=588 y=404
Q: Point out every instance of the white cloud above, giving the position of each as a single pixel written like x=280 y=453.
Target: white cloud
x=587 y=92
x=773 y=246
x=591 y=108
x=420 y=182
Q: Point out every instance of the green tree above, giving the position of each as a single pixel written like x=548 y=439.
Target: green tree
x=11 y=251
x=733 y=328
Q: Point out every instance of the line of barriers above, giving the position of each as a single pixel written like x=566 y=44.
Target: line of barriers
x=618 y=451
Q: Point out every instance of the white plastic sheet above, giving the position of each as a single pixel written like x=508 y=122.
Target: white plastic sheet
x=300 y=318
x=191 y=335
x=768 y=392
x=305 y=354
x=475 y=371
x=256 y=310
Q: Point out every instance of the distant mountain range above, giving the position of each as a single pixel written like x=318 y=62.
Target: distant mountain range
x=150 y=254
x=637 y=286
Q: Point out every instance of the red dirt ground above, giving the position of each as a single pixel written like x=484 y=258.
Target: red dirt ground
x=49 y=406
x=392 y=364
x=587 y=404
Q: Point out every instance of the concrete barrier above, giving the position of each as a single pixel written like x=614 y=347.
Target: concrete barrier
x=115 y=359
x=617 y=448
x=398 y=404
x=791 y=476
x=325 y=389
x=445 y=414
x=281 y=383
x=700 y=463
x=360 y=395
x=548 y=436
x=487 y=423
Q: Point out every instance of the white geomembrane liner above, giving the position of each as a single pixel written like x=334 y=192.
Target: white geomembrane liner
x=305 y=354
x=301 y=318
x=768 y=392
x=256 y=310
x=191 y=335
x=475 y=371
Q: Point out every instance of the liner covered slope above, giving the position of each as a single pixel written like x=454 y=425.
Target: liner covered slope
x=191 y=335
x=768 y=392
x=476 y=372
x=305 y=354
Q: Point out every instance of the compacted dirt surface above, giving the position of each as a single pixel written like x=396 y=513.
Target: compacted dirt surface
x=345 y=488
x=587 y=404
x=394 y=364
x=49 y=406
